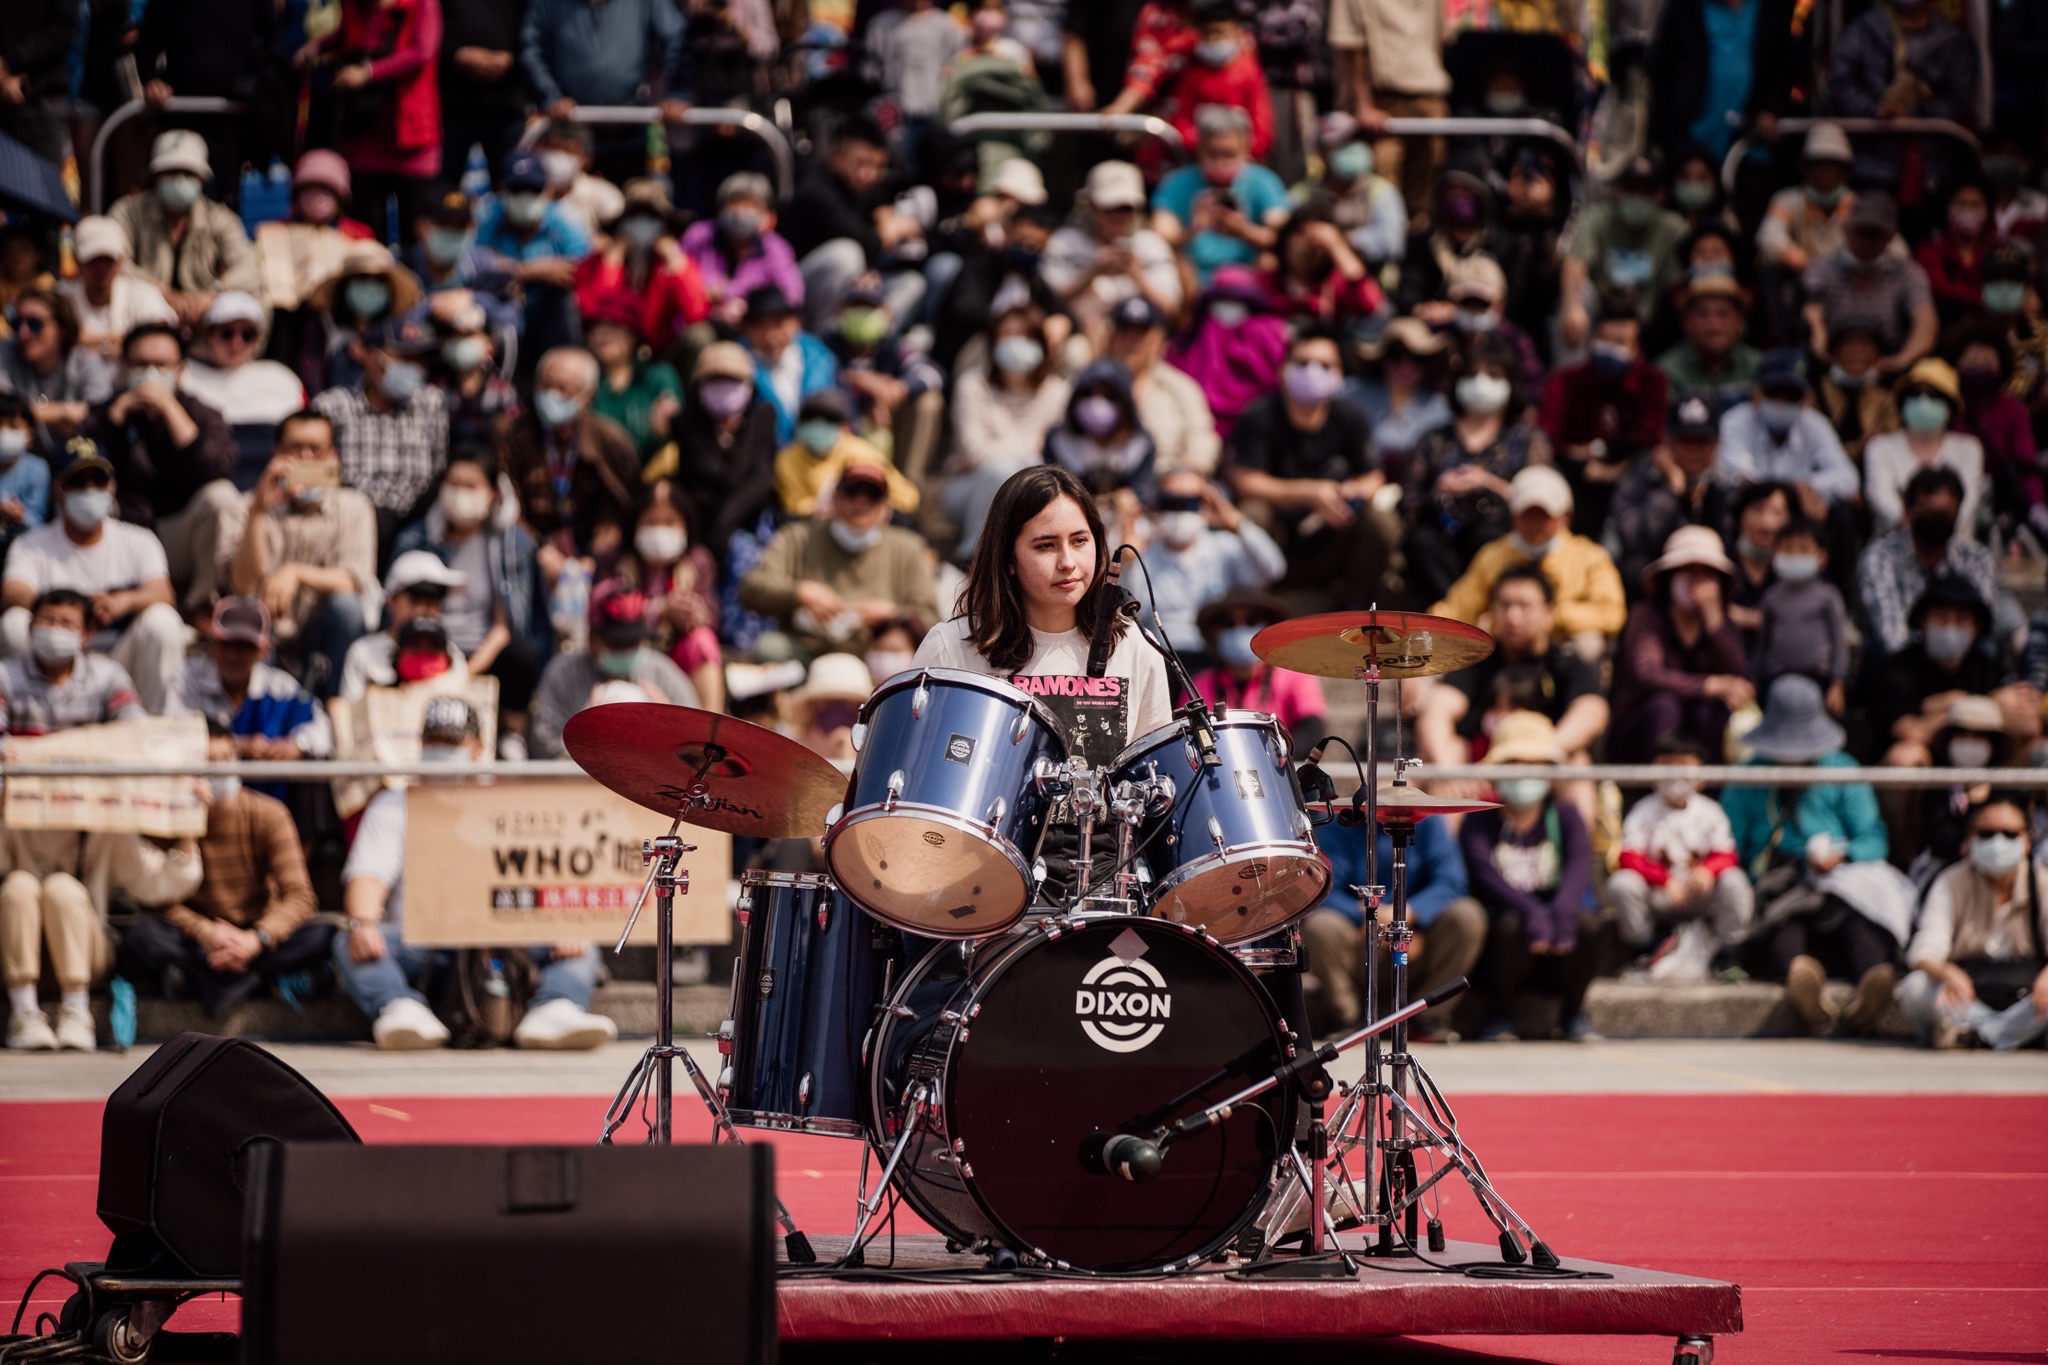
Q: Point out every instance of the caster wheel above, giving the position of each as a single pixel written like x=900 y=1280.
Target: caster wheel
x=114 y=1336
x=71 y=1317
x=1693 y=1351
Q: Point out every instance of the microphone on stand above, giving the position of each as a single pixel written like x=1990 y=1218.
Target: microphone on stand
x=1136 y=1159
x=1116 y=599
x=1315 y=783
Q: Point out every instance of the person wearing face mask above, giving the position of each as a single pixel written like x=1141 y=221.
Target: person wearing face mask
x=1001 y=416
x=790 y=363
x=1979 y=954
x=381 y=972
x=1199 y=549
x=537 y=243
x=618 y=651
x=1224 y=208
x=843 y=222
x=108 y=298
x=821 y=453
x=496 y=615
x=576 y=472
x=829 y=581
x=589 y=201
x=893 y=648
x=444 y=256
x=639 y=393
x=724 y=459
x=390 y=426
x=1233 y=345
x=1170 y=404
x=1679 y=896
x=258 y=708
x=1402 y=390
x=641 y=258
x=680 y=580
x=1302 y=464
x=1809 y=220
x=1951 y=657
x=1603 y=413
x=1805 y=623
x=120 y=568
x=1713 y=361
x=24 y=473
x=480 y=397
x=1673 y=487
x=1368 y=206
x=226 y=372
x=1475 y=297
x=187 y=245
x=1869 y=282
x=322 y=190
x=1318 y=278
x=1223 y=71
x=1997 y=418
x=1973 y=734
x=1776 y=437
x=1113 y=255
x=896 y=392
x=363 y=288
x=1850 y=395
x=1236 y=678
x=414 y=647
x=1953 y=256
x=1896 y=567
x=1455 y=501
x=1625 y=247
x=1101 y=442
x=1460 y=223
x=1530 y=864
x=386 y=95
x=1930 y=398
x=738 y=250
x=51 y=897
x=1590 y=605
x=1681 y=664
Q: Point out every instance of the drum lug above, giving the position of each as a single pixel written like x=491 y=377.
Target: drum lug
x=1020 y=727
x=1216 y=834
x=950 y=1017
x=1304 y=828
x=902 y=1011
x=725 y=1080
x=997 y=809
x=832 y=815
x=959 y=1145
x=1038 y=871
x=859 y=735
x=919 y=700
x=803 y=1091
x=1048 y=777
x=894 y=793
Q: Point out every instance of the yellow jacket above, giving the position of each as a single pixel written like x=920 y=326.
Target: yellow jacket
x=1588 y=586
x=801 y=477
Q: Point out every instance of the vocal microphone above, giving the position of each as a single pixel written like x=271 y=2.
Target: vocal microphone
x=1315 y=783
x=1114 y=601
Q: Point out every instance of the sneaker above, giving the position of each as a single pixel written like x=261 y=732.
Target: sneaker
x=1873 y=996
x=1806 y=985
x=31 y=1032
x=1581 y=1030
x=407 y=1025
x=76 y=1031
x=559 y=1026
x=1686 y=956
x=1500 y=1031
x=512 y=747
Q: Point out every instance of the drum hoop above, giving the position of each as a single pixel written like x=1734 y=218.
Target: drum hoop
x=802 y=881
x=993 y=838
x=1229 y=720
x=771 y=1121
x=1000 y=688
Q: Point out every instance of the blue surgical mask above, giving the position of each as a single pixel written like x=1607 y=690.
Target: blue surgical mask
x=1234 y=646
x=177 y=192
x=1924 y=414
x=1535 y=551
x=1777 y=415
x=86 y=508
x=463 y=354
x=1352 y=161
x=1949 y=644
x=1018 y=355
x=445 y=245
x=2005 y=296
x=818 y=437
x=556 y=409
x=856 y=542
x=641 y=231
x=1796 y=568
x=617 y=663
x=402 y=379
x=1218 y=53
x=366 y=298
x=1522 y=792
x=1994 y=855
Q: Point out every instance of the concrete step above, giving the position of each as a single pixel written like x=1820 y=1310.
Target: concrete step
x=1620 y=1009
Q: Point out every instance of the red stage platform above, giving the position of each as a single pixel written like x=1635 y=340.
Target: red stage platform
x=1387 y=1298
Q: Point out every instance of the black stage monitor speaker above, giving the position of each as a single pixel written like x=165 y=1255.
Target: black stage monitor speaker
x=175 y=1144
x=509 y=1255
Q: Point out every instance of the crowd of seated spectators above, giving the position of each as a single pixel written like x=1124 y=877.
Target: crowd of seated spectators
x=1727 y=426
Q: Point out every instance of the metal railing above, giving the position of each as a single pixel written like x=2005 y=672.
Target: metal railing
x=1854 y=127
x=1054 y=121
x=96 y=159
x=1528 y=129
x=624 y=115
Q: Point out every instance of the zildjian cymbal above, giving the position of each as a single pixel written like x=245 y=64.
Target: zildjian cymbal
x=754 y=781
x=1346 y=644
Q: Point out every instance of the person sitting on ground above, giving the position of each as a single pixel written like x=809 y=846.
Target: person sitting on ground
x=226 y=372
x=252 y=918
x=1102 y=443
x=1681 y=664
x=1530 y=863
x=1402 y=390
x=824 y=447
x=725 y=450
x=586 y=200
x=1952 y=655
x=1591 y=608
x=829 y=581
x=1930 y=401
x=1864 y=282
x=1199 y=549
x=789 y=363
x=307 y=547
x=1805 y=625
x=896 y=394
x=680 y=580
x=380 y=971
x=536 y=242
x=1112 y=256
x=576 y=472
x=118 y=567
x=1226 y=207
x=2015 y=493
x=1369 y=207
x=1449 y=931
x=1776 y=437
x=739 y=250
x=1239 y=680
x=391 y=427
x=110 y=299
x=1828 y=904
x=259 y=709
x=1953 y=256
x=1897 y=565
x=1002 y=411
x=1624 y=248
x=24 y=473
x=172 y=456
x=1603 y=415
x=1805 y=222
x=825 y=709
x=1679 y=895
x=187 y=245
x=618 y=653
x=639 y=393
x=479 y=396
x=842 y=223
x=642 y=258
x=416 y=587
x=1850 y=396
x=43 y=364
x=1673 y=487
x=1973 y=734
x=1977 y=955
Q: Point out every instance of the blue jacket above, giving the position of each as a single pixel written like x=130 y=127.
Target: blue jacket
x=1436 y=869
x=821 y=371
x=610 y=53
x=1845 y=811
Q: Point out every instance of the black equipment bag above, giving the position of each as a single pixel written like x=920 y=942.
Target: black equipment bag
x=510 y=1255
x=175 y=1143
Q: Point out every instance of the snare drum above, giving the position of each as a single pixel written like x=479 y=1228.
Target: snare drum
x=811 y=975
x=948 y=799
x=1234 y=854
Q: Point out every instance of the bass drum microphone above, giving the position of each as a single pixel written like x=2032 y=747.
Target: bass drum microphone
x=1133 y=1158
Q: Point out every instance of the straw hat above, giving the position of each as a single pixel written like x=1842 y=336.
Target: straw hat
x=368 y=258
x=833 y=677
x=1524 y=737
x=1700 y=545
x=1937 y=374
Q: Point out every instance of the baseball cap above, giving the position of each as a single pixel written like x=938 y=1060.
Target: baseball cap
x=2006 y=261
x=1475 y=277
x=1116 y=185
x=618 y=615
x=233 y=305
x=1874 y=211
x=423 y=635
x=415 y=567
x=523 y=170
x=1137 y=311
x=1639 y=174
x=449 y=720
x=83 y=455
x=1020 y=180
x=1692 y=418
x=864 y=474
x=826 y=405
x=1781 y=368
x=768 y=302
x=243 y=619
x=722 y=360
x=97 y=238
x=1540 y=486
x=452 y=208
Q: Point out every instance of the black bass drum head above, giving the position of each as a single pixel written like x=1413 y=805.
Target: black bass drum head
x=1117 y=1026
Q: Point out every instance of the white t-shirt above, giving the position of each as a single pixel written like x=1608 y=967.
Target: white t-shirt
x=379 y=853
x=127 y=556
x=130 y=303
x=260 y=393
x=1104 y=714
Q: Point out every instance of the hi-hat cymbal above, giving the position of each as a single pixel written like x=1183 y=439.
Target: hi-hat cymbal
x=756 y=782
x=1401 y=804
x=1346 y=644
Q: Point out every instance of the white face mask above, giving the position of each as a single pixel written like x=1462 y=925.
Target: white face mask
x=1994 y=855
x=54 y=644
x=562 y=168
x=1181 y=529
x=1532 y=549
x=224 y=788
x=13 y=444
x=1483 y=394
x=660 y=544
x=887 y=663
x=1969 y=751
x=856 y=542
x=465 y=507
x=1677 y=791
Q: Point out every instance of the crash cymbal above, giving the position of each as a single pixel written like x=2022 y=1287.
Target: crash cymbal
x=1345 y=644
x=756 y=782
x=1401 y=804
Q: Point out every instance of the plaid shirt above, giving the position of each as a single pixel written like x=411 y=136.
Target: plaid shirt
x=1892 y=580
x=393 y=457
x=97 y=691
x=255 y=870
x=338 y=532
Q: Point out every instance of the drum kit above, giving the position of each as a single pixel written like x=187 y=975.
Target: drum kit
x=1101 y=1075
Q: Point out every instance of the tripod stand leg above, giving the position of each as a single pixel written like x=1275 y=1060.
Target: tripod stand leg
x=1511 y=1224
x=629 y=1095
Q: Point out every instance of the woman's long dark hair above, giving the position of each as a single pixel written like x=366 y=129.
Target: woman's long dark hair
x=996 y=623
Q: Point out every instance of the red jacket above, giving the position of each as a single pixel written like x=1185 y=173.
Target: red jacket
x=675 y=296
x=1956 y=278
x=1581 y=405
x=401 y=39
x=1241 y=84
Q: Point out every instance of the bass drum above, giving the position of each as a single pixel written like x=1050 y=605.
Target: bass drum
x=1025 y=1053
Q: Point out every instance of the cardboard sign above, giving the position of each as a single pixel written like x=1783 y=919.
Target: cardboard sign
x=383 y=726
x=533 y=861
x=167 y=807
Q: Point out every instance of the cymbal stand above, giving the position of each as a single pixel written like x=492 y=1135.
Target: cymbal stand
x=871 y=1201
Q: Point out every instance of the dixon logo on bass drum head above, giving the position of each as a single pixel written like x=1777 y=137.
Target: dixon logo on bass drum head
x=1123 y=1003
